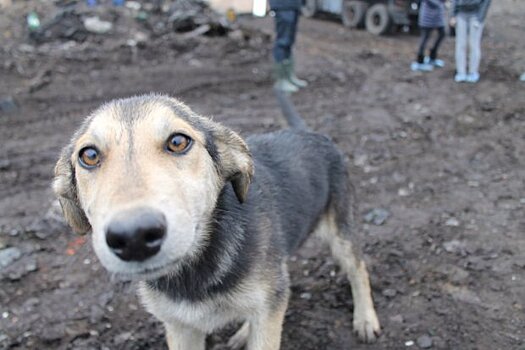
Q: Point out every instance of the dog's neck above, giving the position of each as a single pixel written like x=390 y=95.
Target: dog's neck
x=222 y=262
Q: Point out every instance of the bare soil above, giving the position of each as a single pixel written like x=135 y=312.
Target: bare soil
x=446 y=160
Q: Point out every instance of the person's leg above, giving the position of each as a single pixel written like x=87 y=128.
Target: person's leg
x=425 y=35
x=290 y=63
x=435 y=48
x=437 y=43
x=283 y=35
x=420 y=64
x=461 y=48
x=284 y=21
x=476 y=32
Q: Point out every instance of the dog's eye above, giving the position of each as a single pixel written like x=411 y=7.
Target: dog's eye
x=178 y=143
x=89 y=158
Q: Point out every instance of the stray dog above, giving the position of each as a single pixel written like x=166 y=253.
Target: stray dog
x=204 y=220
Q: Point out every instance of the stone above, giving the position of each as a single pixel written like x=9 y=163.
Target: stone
x=377 y=216
x=4 y=164
x=306 y=296
x=7 y=105
x=389 y=293
x=453 y=222
x=424 y=342
x=9 y=256
x=456 y=247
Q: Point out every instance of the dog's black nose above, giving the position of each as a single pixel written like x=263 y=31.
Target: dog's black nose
x=136 y=235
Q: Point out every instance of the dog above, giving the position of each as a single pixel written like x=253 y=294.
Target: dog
x=204 y=220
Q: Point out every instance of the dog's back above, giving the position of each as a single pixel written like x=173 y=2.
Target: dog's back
x=301 y=170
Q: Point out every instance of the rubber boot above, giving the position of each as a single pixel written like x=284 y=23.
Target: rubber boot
x=290 y=69
x=281 y=79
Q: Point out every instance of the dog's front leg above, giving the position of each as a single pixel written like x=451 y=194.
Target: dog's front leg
x=266 y=328
x=181 y=337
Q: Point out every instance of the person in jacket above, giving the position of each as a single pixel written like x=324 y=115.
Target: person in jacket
x=286 y=18
x=468 y=18
x=431 y=17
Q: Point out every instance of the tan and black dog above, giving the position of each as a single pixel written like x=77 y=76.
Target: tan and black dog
x=204 y=220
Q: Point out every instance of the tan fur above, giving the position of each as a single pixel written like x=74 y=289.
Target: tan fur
x=366 y=324
x=267 y=329
x=64 y=187
x=180 y=337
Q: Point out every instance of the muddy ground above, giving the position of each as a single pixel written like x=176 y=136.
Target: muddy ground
x=445 y=160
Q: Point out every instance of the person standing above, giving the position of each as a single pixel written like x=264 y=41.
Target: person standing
x=431 y=17
x=286 y=19
x=468 y=18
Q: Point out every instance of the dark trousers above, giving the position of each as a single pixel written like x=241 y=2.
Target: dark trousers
x=425 y=35
x=285 y=29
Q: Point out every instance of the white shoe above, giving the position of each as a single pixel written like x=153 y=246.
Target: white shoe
x=421 y=67
x=435 y=62
x=460 y=78
x=473 y=78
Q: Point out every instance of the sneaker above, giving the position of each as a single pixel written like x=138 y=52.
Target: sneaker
x=473 y=78
x=436 y=62
x=421 y=67
x=460 y=78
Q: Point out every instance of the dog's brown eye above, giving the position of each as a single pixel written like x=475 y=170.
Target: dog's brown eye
x=89 y=157
x=178 y=143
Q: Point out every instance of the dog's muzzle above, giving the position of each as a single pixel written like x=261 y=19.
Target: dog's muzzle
x=136 y=234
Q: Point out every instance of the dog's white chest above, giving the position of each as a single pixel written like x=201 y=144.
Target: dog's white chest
x=206 y=316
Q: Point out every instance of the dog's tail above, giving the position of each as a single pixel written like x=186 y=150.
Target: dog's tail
x=291 y=115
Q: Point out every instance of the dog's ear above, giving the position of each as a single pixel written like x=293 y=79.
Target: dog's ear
x=235 y=160
x=65 y=189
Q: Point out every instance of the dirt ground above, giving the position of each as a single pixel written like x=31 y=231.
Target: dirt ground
x=445 y=160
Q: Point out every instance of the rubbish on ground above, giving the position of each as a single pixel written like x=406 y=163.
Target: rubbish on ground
x=377 y=216
x=33 y=22
x=96 y=25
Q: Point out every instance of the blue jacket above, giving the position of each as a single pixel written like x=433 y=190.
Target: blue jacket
x=475 y=7
x=277 y=5
x=432 y=14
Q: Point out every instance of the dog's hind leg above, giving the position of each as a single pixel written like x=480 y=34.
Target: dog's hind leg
x=181 y=337
x=240 y=338
x=336 y=233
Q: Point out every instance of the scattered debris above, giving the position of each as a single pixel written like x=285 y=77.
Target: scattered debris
x=377 y=216
x=397 y=318
x=455 y=247
x=424 y=342
x=8 y=105
x=306 y=296
x=462 y=294
x=453 y=222
x=9 y=256
x=96 y=25
x=66 y=25
x=42 y=79
x=33 y=22
x=389 y=293
x=409 y=343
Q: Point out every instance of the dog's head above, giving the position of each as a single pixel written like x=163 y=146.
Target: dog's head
x=144 y=174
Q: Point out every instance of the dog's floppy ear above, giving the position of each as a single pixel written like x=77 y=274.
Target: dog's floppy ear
x=235 y=160
x=65 y=188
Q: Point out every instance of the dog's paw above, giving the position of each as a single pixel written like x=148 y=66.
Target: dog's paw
x=240 y=338
x=367 y=327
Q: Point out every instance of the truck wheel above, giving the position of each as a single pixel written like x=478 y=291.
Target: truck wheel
x=378 y=20
x=309 y=8
x=354 y=13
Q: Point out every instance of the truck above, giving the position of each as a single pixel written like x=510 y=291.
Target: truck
x=377 y=16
